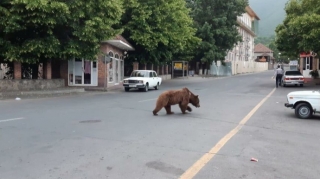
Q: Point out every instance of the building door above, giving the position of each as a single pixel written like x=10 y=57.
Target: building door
x=307 y=66
x=82 y=72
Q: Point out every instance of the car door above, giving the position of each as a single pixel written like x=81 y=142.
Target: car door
x=151 y=79
x=156 y=78
x=315 y=100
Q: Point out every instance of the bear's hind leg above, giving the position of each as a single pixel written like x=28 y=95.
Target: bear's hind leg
x=183 y=108
x=168 y=109
x=156 y=110
x=161 y=102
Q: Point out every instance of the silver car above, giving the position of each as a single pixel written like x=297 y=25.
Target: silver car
x=292 y=77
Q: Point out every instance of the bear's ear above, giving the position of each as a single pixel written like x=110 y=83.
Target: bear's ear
x=197 y=95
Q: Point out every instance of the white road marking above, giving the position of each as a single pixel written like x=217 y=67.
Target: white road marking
x=13 y=119
x=147 y=100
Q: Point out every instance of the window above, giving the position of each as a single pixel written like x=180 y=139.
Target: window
x=117 y=56
x=150 y=74
x=110 y=71
x=155 y=74
x=292 y=73
x=137 y=73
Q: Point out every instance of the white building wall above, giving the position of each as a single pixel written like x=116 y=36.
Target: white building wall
x=242 y=55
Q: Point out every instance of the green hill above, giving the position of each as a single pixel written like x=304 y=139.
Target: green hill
x=271 y=13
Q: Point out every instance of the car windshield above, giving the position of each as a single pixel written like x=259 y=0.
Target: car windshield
x=139 y=74
x=292 y=73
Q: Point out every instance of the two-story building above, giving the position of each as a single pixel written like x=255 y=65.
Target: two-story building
x=241 y=58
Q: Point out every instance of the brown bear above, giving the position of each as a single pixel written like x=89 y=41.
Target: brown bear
x=172 y=97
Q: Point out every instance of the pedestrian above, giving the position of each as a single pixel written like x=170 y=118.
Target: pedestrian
x=278 y=75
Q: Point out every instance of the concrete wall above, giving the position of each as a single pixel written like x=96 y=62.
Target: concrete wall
x=165 y=77
x=238 y=67
x=223 y=70
x=26 y=84
x=248 y=67
x=2 y=71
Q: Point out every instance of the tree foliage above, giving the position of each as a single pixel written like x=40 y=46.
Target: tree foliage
x=216 y=23
x=158 y=29
x=300 y=30
x=264 y=40
x=33 y=30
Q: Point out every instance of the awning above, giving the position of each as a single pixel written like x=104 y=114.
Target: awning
x=119 y=44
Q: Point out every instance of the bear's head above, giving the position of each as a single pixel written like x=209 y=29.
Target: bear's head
x=194 y=100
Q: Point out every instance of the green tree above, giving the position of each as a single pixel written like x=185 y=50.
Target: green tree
x=264 y=40
x=35 y=30
x=300 y=29
x=158 y=29
x=216 y=23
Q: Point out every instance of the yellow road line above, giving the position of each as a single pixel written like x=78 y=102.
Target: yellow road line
x=196 y=167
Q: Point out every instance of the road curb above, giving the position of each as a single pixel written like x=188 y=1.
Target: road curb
x=40 y=93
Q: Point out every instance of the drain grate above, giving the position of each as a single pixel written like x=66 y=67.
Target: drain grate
x=90 y=121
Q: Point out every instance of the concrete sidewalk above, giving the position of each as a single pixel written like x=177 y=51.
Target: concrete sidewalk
x=41 y=93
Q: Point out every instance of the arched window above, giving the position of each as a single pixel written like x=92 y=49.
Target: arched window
x=116 y=56
x=110 y=70
x=111 y=54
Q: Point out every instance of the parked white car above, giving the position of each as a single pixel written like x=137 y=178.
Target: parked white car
x=292 y=77
x=305 y=103
x=142 y=80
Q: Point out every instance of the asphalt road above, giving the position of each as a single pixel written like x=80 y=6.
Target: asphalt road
x=116 y=136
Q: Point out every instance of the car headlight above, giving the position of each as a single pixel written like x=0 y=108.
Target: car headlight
x=125 y=81
x=140 y=81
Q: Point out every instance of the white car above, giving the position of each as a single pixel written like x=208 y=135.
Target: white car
x=305 y=103
x=142 y=80
x=292 y=77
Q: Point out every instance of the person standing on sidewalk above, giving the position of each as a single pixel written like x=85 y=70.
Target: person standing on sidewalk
x=278 y=75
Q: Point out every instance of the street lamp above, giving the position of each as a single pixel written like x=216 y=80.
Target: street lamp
x=279 y=56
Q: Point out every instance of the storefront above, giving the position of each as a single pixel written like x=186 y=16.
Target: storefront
x=308 y=63
x=82 y=72
x=115 y=69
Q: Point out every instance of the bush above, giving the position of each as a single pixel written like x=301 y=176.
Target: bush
x=314 y=73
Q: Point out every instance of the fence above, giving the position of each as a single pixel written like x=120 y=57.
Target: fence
x=163 y=71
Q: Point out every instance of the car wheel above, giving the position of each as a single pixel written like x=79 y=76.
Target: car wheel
x=157 y=87
x=301 y=85
x=126 y=89
x=303 y=111
x=146 y=88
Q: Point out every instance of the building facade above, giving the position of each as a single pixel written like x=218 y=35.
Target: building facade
x=83 y=72
x=241 y=58
x=264 y=54
x=73 y=72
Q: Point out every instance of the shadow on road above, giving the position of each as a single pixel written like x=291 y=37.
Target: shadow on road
x=315 y=117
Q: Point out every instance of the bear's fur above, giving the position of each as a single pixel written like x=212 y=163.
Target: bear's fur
x=172 y=97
